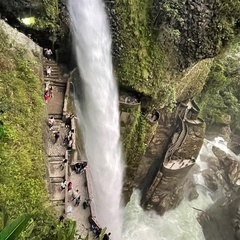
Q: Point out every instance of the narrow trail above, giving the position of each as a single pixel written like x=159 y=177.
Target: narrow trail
x=56 y=152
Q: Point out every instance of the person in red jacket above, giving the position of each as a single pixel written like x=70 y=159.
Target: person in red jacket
x=46 y=96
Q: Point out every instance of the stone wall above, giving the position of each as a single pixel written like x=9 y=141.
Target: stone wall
x=20 y=41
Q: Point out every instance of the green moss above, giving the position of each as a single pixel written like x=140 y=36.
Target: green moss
x=141 y=65
x=220 y=95
x=22 y=173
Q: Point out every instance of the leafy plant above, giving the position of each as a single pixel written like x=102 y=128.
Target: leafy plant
x=13 y=229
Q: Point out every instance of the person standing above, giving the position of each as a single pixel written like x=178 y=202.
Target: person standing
x=69 y=186
x=46 y=96
x=63 y=185
x=75 y=195
x=63 y=164
x=56 y=136
x=48 y=54
x=106 y=236
x=51 y=122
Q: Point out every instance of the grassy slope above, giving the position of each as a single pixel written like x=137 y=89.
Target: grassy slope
x=22 y=172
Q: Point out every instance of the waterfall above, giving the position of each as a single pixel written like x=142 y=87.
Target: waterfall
x=99 y=110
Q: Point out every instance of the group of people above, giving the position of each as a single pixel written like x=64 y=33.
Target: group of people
x=48 y=93
x=79 y=167
x=68 y=139
x=97 y=230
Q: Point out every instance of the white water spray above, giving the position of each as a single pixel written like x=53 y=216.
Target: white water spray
x=99 y=115
x=180 y=223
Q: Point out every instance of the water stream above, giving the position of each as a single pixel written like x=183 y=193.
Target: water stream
x=99 y=110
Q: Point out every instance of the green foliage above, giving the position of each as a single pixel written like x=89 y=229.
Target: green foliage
x=226 y=18
x=216 y=79
x=15 y=227
x=22 y=173
x=141 y=64
x=220 y=95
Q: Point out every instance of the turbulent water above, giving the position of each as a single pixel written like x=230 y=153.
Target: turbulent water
x=178 y=224
x=99 y=110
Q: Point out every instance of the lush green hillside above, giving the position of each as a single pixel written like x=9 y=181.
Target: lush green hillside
x=22 y=172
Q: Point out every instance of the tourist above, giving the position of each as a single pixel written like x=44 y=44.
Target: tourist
x=68 y=123
x=47 y=85
x=63 y=185
x=69 y=186
x=98 y=231
x=51 y=91
x=77 y=201
x=49 y=71
x=86 y=203
x=75 y=195
x=63 y=164
x=106 y=236
x=51 y=122
x=46 y=96
x=48 y=53
x=79 y=167
x=70 y=143
x=56 y=136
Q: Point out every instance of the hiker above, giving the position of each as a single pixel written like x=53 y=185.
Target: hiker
x=79 y=167
x=86 y=203
x=47 y=85
x=68 y=121
x=106 y=236
x=69 y=186
x=70 y=135
x=63 y=164
x=48 y=53
x=46 y=96
x=49 y=71
x=51 y=122
x=75 y=195
x=63 y=185
x=70 y=143
x=77 y=201
x=56 y=135
x=51 y=91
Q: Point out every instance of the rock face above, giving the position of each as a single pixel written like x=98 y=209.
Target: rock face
x=169 y=156
x=221 y=220
x=193 y=25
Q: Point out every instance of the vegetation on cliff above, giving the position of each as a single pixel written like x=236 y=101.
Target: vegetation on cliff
x=141 y=65
x=22 y=173
x=220 y=96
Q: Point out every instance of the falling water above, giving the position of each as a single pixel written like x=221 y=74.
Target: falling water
x=99 y=110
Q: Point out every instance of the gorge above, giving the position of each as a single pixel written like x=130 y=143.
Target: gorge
x=176 y=66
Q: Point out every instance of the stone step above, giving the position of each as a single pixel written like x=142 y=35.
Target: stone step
x=54 y=78
x=57 y=83
x=55 y=158
x=56 y=116
x=55 y=180
x=46 y=62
